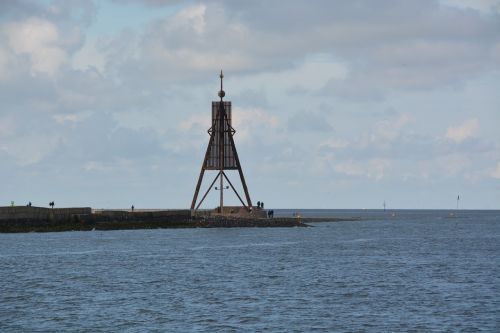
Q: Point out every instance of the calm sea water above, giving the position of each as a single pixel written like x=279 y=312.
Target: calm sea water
x=415 y=271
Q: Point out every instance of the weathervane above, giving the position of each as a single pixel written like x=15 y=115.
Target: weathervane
x=221 y=154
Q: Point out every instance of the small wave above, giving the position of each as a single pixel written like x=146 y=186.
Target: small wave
x=359 y=240
x=64 y=254
x=197 y=248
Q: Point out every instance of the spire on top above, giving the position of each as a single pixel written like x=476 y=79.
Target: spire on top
x=221 y=91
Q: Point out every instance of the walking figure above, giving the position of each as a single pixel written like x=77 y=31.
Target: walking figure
x=51 y=204
x=132 y=207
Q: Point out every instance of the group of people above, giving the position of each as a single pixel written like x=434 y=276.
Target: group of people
x=12 y=204
x=270 y=213
x=51 y=204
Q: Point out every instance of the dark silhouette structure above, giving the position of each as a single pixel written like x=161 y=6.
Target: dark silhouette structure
x=221 y=154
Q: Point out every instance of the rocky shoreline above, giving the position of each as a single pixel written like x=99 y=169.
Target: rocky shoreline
x=36 y=219
x=30 y=225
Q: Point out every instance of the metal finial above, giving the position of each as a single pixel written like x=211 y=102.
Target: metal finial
x=221 y=92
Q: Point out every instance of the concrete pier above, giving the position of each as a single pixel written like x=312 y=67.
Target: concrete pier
x=41 y=213
x=39 y=219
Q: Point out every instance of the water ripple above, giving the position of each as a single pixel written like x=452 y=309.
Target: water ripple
x=417 y=274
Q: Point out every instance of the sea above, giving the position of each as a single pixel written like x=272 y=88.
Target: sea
x=392 y=271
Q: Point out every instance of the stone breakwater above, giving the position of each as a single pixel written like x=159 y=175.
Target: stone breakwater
x=38 y=219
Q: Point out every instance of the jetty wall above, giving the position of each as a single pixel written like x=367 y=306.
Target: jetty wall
x=125 y=214
x=39 y=219
x=41 y=213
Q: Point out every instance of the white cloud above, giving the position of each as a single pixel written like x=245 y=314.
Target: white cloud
x=4 y=62
x=7 y=127
x=193 y=16
x=96 y=166
x=481 y=5
x=30 y=149
x=62 y=118
x=390 y=129
x=39 y=39
x=249 y=122
x=88 y=56
x=133 y=95
x=196 y=122
x=496 y=173
x=334 y=143
x=453 y=165
x=464 y=131
x=373 y=169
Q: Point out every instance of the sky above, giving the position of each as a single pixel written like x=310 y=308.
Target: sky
x=336 y=104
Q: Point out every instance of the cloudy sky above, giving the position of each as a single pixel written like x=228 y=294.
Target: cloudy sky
x=337 y=104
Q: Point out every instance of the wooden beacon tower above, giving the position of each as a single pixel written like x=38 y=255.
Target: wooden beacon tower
x=221 y=155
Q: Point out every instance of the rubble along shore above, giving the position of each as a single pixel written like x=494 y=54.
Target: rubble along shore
x=38 y=219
